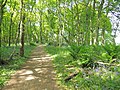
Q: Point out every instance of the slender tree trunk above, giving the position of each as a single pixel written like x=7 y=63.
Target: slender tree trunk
x=22 y=37
x=99 y=16
x=87 y=25
x=10 y=29
x=1 y=14
x=59 y=22
x=2 y=5
x=93 y=15
x=72 y=24
x=103 y=30
x=40 y=23
x=18 y=34
x=103 y=36
x=87 y=36
x=29 y=35
x=22 y=29
x=78 y=31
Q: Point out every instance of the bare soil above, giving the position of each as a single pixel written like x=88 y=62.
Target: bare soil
x=36 y=74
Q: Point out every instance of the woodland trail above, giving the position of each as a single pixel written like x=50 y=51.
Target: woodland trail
x=36 y=74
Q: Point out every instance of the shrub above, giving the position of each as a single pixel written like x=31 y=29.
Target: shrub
x=74 y=51
x=33 y=44
x=83 y=55
x=87 y=56
x=112 y=52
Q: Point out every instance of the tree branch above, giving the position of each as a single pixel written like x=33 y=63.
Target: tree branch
x=4 y=4
x=102 y=63
x=71 y=76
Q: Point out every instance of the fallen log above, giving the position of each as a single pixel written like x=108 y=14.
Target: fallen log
x=71 y=76
x=102 y=63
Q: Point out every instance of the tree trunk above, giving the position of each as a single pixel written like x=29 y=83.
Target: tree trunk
x=103 y=36
x=22 y=29
x=2 y=5
x=99 y=16
x=40 y=23
x=10 y=29
x=87 y=31
x=1 y=15
x=22 y=37
x=59 y=23
x=92 y=31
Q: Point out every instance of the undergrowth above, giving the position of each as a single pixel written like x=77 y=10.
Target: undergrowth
x=92 y=75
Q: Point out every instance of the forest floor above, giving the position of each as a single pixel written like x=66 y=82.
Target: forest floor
x=36 y=74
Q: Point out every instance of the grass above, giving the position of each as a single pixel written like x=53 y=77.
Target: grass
x=9 y=68
x=99 y=78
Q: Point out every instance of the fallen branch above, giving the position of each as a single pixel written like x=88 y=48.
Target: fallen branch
x=71 y=76
x=108 y=64
x=66 y=40
x=12 y=54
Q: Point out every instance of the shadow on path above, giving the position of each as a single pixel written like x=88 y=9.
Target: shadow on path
x=36 y=74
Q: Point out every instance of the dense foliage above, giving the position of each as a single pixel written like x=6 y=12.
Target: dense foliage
x=96 y=70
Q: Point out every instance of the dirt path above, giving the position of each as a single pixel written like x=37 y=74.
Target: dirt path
x=36 y=74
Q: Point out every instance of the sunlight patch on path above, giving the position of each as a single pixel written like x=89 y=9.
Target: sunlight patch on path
x=36 y=74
